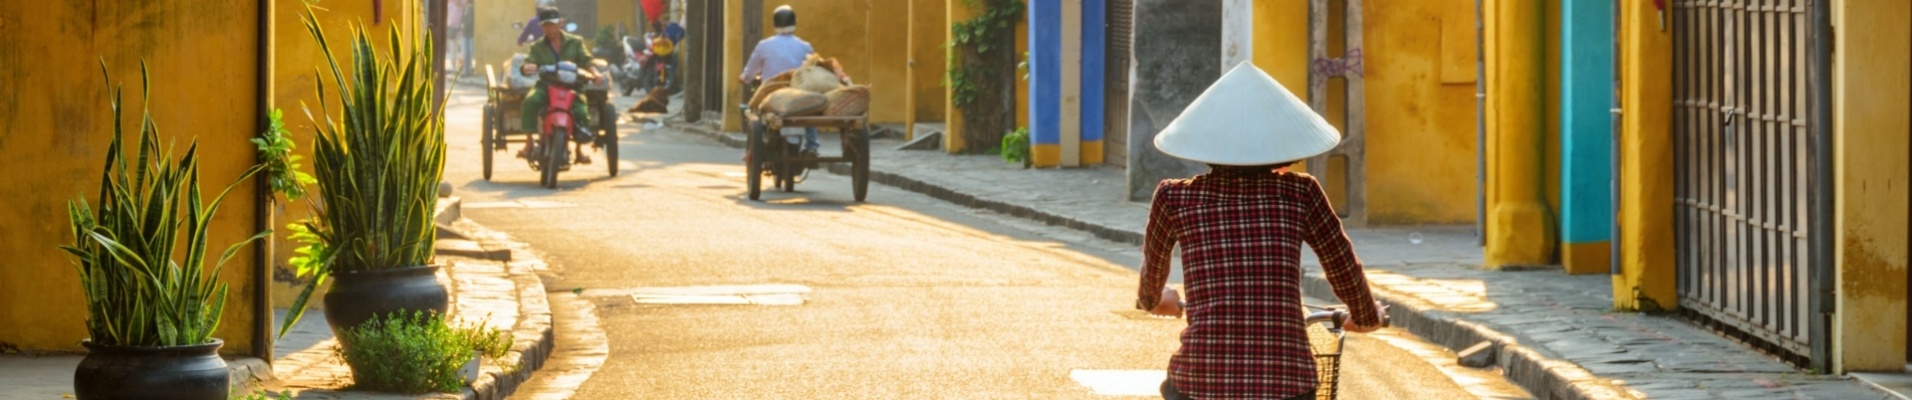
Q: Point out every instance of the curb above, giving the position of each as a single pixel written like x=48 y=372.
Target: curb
x=1539 y=374
x=1542 y=376
x=533 y=333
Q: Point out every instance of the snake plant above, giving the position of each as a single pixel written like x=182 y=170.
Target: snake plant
x=136 y=293
x=377 y=163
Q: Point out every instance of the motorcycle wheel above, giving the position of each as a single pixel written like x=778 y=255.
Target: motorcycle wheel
x=753 y=161
x=608 y=137
x=486 y=135
x=554 y=158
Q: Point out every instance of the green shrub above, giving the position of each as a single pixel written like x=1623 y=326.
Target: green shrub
x=1015 y=147
x=416 y=353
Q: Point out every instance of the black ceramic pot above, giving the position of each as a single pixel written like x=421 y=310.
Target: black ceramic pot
x=132 y=372
x=356 y=297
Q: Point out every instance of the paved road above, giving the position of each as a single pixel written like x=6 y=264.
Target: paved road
x=703 y=294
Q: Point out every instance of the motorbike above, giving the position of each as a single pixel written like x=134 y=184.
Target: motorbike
x=627 y=67
x=549 y=153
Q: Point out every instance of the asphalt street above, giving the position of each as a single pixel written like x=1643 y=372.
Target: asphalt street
x=701 y=293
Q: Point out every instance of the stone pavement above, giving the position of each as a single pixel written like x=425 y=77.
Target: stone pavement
x=491 y=280
x=1557 y=335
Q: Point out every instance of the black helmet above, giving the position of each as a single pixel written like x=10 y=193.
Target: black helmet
x=784 y=17
x=549 y=15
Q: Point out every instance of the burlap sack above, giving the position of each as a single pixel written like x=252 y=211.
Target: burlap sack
x=793 y=102
x=816 y=75
x=770 y=86
x=848 y=101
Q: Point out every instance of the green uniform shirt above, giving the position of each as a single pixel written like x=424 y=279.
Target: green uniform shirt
x=542 y=55
x=573 y=45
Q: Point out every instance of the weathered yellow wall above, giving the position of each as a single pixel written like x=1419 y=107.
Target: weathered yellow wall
x=1421 y=128
x=1646 y=221
x=929 y=30
x=1420 y=123
x=1281 y=42
x=203 y=55
x=887 y=71
x=494 y=39
x=1519 y=222
x=613 y=12
x=296 y=54
x=734 y=63
x=1872 y=83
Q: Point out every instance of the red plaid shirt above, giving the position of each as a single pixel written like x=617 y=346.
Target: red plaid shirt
x=1241 y=234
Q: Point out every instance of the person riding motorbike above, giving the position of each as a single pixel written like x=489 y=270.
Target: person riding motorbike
x=557 y=46
x=778 y=54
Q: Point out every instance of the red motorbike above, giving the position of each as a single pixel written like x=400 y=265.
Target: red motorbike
x=550 y=152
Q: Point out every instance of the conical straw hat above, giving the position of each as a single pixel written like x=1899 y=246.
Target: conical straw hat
x=1246 y=118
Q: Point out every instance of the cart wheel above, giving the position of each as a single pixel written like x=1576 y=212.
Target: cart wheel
x=608 y=138
x=486 y=136
x=753 y=163
x=787 y=171
x=860 y=165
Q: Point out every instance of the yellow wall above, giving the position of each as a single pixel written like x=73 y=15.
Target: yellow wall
x=887 y=68
x=494 y=39
x=1420 y=120
x=613 y=12
x=203 y=55
x=1646 y=221
x=733 y=64
x=929 y=30
x=296 y=54
x=1872 y=79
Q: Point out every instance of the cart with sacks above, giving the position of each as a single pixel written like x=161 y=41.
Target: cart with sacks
x=813 y=96
x=504 y=100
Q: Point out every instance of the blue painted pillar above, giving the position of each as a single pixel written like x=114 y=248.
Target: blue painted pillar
x=1095 y=15
x=1045 y=82
x=1586 y=130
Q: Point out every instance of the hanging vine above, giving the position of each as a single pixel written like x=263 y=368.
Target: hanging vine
x=980 y=64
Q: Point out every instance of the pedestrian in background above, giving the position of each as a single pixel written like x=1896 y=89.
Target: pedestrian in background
x=1241 y=227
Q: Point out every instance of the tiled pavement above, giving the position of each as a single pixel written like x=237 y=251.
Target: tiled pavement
x=492 y=281
x=1555 y=334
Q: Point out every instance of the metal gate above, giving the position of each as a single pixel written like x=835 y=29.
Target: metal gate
x=1115 y=128
x=1742 y=149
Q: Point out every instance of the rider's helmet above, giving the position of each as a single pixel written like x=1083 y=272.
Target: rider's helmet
x=784 y=17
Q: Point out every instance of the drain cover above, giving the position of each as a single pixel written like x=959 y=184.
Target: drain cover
x=762 y=295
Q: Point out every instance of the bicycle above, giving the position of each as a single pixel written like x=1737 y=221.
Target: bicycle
x=1325 y=339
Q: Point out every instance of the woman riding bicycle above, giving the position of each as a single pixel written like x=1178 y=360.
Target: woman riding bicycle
x=1241 y=227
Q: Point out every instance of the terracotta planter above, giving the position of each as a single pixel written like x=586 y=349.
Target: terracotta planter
x=133 y=372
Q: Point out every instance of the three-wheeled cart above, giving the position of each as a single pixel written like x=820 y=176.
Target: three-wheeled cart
x=503 y=102
x=767 y=152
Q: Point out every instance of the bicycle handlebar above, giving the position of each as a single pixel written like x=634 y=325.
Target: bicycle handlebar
x=1335 y=317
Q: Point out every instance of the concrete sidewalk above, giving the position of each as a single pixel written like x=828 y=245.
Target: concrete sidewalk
x=1557 y=335
x=490 y=279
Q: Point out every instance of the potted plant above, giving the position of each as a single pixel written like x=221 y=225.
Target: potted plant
x=377 y=167
x=150 y=318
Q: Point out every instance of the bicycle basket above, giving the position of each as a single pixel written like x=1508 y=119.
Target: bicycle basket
x=1326 y=344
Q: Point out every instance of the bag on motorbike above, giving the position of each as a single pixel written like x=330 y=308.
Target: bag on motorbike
x=793 y=102
x=763 y=91
x=848 y=101
x=816 y=76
